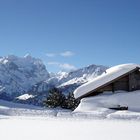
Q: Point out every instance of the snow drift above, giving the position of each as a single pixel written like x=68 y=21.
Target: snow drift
x=100 y=104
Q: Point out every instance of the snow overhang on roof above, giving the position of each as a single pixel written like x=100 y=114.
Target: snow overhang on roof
x=111 y=74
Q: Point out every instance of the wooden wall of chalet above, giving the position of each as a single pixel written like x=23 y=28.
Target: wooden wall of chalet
x=129 y=82
x=120 y=84
x=134 y=80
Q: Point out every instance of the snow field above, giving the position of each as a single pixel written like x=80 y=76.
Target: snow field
x=45 y=129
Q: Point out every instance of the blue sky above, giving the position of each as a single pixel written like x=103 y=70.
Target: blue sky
x=69 y=34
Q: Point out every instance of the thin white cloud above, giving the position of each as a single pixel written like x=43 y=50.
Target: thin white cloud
x=50 y=54
x=67 y=66
x=63 y=66
x=67 y=54
x=53 y=63
x=63 y=54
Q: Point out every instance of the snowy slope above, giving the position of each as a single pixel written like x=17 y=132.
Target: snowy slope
x=19 y=74
x=110 y=74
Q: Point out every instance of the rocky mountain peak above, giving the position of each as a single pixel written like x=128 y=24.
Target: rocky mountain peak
x=19 y=74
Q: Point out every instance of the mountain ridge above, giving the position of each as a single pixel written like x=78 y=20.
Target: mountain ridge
x=22 y=75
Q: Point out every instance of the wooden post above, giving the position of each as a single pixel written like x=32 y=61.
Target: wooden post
x=113 y=90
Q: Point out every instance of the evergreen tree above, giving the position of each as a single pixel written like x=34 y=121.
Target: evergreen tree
x=70 y=102
x=55 y=98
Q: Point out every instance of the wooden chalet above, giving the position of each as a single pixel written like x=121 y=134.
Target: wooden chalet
x=124 y=77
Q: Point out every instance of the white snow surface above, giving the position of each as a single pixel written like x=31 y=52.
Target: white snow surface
x=91 y=120
x=99 y=105
x=110 y=74
x=45 y=129
x=25 y=96
x=90 y=108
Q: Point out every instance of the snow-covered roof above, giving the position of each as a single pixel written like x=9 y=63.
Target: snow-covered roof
x=111 y=74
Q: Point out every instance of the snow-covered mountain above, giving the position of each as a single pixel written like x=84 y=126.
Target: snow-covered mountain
x=28 y=75
x=68 y=82
x=19 y=74
x=82 y=75
x=78 y=77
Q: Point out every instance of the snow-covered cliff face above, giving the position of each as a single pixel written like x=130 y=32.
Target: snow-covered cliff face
x=19 y=74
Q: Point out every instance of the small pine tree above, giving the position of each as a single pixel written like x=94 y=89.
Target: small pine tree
x=55 y=98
